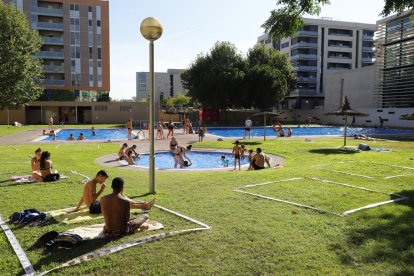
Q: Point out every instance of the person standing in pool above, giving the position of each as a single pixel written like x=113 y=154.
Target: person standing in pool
x=180 y=154
x=90 y=196
x=173 y=144
x=70 y=138
x=247 y=127
x=35 y=163
x=81 y=137
x=45 y=168
x=236 y=154
x=129 y=128
x=289 y=132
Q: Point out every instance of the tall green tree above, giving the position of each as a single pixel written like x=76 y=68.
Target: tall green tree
x=269 y=77
x=215 y=79
x=20 y=71
x=286 y=20
x=178 y=101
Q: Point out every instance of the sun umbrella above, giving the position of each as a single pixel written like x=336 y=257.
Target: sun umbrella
x=346 y=111
x=407 y=117
x=265 y=113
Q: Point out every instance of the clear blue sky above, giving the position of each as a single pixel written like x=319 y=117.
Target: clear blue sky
x=192 y=27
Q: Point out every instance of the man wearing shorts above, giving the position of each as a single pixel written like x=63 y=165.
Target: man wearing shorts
x=116 y=212
x=90 y=195
x=129 y=127
x=247 y=127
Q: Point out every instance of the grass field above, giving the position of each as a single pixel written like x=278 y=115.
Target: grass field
x=249 y=235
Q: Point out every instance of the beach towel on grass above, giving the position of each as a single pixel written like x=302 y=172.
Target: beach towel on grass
x=95 y=231
x=28 y=178
x=64 y=216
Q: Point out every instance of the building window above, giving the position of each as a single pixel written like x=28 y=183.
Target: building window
x=286 y=44
x=125 y=108
x=99 y=53
x=89 y=8
x=101 y=108
x=98 y=23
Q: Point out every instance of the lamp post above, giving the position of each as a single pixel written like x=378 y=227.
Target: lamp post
x=151 y=29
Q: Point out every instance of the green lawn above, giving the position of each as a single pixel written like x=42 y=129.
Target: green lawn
x=249 y=235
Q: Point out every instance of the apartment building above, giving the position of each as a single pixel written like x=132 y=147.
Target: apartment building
x=75 y=49
x=395 y=57
x=323 y=46
x=166 y=84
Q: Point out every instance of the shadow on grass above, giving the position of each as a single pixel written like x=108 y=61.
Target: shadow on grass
x=334 y=151
x=386 y=238
x=249 y=143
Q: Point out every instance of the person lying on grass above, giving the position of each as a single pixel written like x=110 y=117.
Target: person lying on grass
x=90 y=195
x=116 y=212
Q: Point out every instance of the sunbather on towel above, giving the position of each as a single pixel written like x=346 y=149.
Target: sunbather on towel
x=35 y=162
x=90 y=195
x=116 y=211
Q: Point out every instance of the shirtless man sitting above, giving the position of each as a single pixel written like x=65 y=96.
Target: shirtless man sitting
x=90 y=195
x=259 y=160
x=116 y=212
x=121 y=153
x=35 y=162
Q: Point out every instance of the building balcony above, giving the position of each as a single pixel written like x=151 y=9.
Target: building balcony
x=368 y=60
x=303 y=91
x=50 y=55
x=306 y=68
x=306 y=33
x=52 y=40
x=368 y=49
x=304 y=45
x=367 y=38
x=339 y=57
x=48 y=82
x=304 y=56
x=47 y=26
x=53 y=69
x=306 y=79
x=340 y=46
x=49 y=12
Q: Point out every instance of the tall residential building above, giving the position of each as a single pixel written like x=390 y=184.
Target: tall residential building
x=166 y=84
x=75 y=49
x=396 y=61
x=324 y=46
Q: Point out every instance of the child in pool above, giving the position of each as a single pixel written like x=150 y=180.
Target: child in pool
x=130 y=158
x=224 y=161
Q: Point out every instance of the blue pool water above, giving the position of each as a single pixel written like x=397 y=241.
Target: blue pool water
x=101 y=134
x=200 y=160
x=308 y=131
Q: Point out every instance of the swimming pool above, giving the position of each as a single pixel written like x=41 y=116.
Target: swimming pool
x=308 y=131
x=200 y=160
x=101 y=134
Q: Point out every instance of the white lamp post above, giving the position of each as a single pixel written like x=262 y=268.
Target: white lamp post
x=151 y=29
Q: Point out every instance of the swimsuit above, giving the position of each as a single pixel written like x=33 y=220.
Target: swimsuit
x=131 y=228
x=95 y=208
x=236 y=156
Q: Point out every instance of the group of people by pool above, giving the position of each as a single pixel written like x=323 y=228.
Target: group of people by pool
x=42 y=167
x=128 y=153
x=256 y=159
x=179 y=154
x=115 y=207
x=276 y=126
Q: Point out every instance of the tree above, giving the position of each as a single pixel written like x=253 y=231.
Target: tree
x=285 y=21
x=20 y=71
x=178 y=101
x=269 y=77
x=216 y=78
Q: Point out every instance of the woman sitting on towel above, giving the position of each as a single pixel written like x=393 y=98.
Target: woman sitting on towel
x=35 y=162
x=46 y=166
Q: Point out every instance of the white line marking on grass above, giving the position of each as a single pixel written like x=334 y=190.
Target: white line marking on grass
x=98 y=146
x=24 y=261
x=395 y=176
x=318 y=209
x=353 y=174
x=85 y=176
x=57 y=146
x=373 y=205
x=106 y=251
x=288 y=202
x=265 y=183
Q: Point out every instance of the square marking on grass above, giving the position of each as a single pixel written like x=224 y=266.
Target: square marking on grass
x=379 y=170
x=319 y=194
x=27 y=266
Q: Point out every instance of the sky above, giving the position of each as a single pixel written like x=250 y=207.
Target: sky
x=192 y=27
